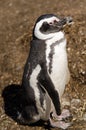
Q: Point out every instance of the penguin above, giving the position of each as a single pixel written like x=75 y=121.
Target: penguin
x=46 y=71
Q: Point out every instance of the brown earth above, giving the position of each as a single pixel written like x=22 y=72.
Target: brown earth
x=17 y=18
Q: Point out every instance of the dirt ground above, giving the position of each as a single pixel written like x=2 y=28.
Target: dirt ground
x=17 y=18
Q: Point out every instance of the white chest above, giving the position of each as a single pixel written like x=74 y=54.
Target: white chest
x=59 y=65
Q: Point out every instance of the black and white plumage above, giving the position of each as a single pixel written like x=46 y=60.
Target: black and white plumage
x=46 y=71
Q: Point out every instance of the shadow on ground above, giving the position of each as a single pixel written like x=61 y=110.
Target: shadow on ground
x=12 y=100
x=13 y=103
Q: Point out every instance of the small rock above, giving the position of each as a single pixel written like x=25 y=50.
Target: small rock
x=75 y=103
x=69 y=49
x=84 y=117
x=65 y=101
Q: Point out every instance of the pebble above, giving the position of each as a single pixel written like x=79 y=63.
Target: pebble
x=75 y=103
x=84 y=117
x=65 y=101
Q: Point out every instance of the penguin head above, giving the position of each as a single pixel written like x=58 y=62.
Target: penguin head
x=48 y=25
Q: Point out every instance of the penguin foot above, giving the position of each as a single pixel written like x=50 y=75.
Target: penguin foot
x=62 y=121
x=59 y=124
x=65 y=115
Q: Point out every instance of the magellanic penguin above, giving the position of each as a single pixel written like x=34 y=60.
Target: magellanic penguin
x=46 y=71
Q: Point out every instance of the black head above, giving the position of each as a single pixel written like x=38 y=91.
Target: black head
x=47 y=25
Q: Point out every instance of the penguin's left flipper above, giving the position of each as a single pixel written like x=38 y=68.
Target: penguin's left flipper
x=60 y=124
x=47 y=83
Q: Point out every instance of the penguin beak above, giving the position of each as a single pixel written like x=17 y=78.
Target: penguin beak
x=64 y=21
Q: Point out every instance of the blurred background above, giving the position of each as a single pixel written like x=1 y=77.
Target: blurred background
x=17 y=18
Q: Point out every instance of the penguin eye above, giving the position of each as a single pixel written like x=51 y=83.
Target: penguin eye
x=55 y=21
x=50 y=23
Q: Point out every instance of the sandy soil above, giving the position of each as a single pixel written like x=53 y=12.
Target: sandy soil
x=17 y=18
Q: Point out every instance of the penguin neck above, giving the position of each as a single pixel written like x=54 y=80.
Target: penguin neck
x=58 y=38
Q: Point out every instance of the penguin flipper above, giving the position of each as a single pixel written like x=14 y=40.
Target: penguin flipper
x=48 y=85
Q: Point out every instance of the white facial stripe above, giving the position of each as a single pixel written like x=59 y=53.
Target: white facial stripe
x=49 y=19
x=40 y=35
